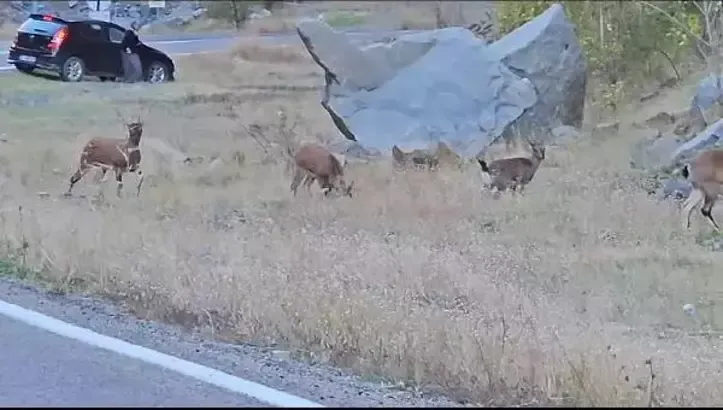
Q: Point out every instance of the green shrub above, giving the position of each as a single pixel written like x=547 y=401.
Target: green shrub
x=235 y=12
x=625 y=42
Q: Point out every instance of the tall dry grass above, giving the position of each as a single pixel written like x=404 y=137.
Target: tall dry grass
x=558 y=296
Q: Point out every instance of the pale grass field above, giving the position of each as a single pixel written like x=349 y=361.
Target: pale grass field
x=558 y=296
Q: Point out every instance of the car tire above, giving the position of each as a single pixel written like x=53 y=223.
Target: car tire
x=103 y=79
x=157 y=73
x=72 y=70
x=24 y=68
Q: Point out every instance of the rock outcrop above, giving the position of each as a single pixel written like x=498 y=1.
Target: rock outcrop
x=447 y=85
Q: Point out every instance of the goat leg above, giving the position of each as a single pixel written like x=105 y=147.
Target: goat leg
x=309 y=180
x=694 y=199
x=706 y=211
x=104 y=175
x=298 y=177
x=141 y=176
x=77 y=176
x=119 y=180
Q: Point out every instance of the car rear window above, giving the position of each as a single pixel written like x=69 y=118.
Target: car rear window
x=40 y=26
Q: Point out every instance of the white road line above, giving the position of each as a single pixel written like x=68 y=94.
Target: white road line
x=190 y=369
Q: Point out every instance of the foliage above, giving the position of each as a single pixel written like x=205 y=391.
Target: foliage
x=625 y=42
x=236 y=12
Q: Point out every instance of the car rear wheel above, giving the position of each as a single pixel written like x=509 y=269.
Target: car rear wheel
x=24 y=68
x=72 y=70
x=157 y=73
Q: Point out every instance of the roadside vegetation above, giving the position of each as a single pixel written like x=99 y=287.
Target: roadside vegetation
x=570 y=294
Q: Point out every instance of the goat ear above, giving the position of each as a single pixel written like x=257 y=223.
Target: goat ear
x=397 y=154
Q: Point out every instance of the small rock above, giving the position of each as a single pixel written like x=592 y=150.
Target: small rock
x=565 y=133
x=215 y=164
x=653 y=150
x=44 y=194
x=281 y=354
x=607 y=128
x=649 y=96
x=661 y=121
x=675 y=188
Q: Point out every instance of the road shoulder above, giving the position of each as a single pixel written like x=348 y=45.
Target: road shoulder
x=273 y=368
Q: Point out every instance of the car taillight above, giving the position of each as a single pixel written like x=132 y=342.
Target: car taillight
x=58 y=39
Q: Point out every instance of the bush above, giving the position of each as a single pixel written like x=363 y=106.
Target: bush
x=625 y=42
x=236 y=12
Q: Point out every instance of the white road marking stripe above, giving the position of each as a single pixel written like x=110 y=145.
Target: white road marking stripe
x=190 y=369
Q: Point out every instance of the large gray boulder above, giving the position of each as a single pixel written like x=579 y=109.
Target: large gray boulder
x=447 y=85
x=708 y=138
x=708 y=93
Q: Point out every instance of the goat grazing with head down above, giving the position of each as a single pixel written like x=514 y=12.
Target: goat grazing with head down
x=705 y=173
x=313 y=162
x=514 y=173
x=113 y=154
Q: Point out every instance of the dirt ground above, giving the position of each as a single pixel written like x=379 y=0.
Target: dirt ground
x=568 y=294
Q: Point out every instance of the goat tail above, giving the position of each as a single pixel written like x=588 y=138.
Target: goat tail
x=337 y=168
x=685 y=172
x=289 y=160
x=484 y=166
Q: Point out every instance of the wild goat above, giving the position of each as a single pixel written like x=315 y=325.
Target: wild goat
x=706 y=176
x=419 y=158
x=426 y=158
x=312 y=162
x=514 y=173
x=119 y=155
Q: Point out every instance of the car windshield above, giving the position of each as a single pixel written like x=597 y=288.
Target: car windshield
x=40 y=26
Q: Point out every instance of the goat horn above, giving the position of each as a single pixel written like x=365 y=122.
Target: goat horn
x=120 y=116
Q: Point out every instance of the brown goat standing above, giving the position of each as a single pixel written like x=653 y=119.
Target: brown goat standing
x=431 y=158
x=514 y=173
x=706 y=175
x=119 y=155
x=419 y=158
x=314 y=162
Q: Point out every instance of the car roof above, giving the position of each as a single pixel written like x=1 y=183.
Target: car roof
x=59 y=20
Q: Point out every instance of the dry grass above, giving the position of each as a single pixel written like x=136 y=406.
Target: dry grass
x=8 y=31
x=193 y=26
x=558 y=296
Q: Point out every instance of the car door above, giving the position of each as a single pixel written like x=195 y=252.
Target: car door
x=94 y=49
x=115 y=36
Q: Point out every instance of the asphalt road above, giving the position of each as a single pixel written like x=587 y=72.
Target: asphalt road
x=42 y=369
x=74 y=350
x=184 y=44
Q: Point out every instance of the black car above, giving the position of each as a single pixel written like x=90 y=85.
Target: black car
x=75 y=49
